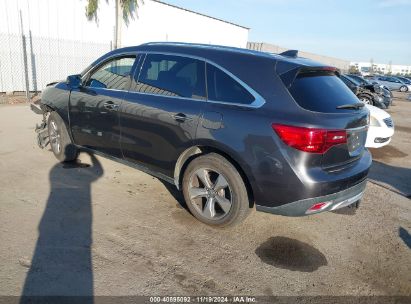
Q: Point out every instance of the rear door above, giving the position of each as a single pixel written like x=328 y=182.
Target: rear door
x=388 y=82
x=93 y=107
x=160 y=113
x=395 y=83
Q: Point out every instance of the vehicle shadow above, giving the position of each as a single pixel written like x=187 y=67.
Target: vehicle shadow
x=405 y=236
x=394 y=177
x=177 y=194
x=61 y=264
x=346 y=211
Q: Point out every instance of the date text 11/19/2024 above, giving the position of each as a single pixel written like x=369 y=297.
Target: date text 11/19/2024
x=203 y=299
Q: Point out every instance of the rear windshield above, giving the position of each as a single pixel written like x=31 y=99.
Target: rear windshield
x=321 y=91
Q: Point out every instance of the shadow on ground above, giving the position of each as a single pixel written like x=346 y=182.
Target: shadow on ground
x=177 y=194
x=391 y=177
x=61 y=264
x=405 y=236
x=291 y=254
x=346 y=211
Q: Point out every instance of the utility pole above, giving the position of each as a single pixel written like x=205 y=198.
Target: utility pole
x=117 y=29
x=26 y=69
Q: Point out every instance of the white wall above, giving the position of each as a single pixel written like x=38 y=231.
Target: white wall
x=155 y=21
x=58 y=19
x=160 y=22
x=61 y=41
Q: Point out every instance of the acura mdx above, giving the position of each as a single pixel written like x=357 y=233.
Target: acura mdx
x=233 y=129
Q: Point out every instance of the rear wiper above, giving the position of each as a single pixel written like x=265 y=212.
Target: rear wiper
x=356 y=106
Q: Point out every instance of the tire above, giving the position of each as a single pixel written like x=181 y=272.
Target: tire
x=220 y=172
x=61 y=145
x=403 y=89
x=366 y=100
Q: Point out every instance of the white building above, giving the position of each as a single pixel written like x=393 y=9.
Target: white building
x=341 y=64
x=381 y=68
x=53 y=38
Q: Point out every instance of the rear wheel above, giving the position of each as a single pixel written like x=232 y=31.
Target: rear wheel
x=61 y=145
x=215 y=192
x=404 y=89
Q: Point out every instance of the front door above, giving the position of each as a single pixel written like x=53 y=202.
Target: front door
x=160 y=113
x=94 y=106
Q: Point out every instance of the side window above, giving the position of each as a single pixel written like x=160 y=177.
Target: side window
x=222 y=87
x=170 y=75
x=112 y=75
x=346 y=81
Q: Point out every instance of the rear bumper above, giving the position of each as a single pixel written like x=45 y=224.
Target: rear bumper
x=334 y=201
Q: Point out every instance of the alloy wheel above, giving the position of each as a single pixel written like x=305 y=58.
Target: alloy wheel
x=365 y=100
x=54 y=134
x=210 y=193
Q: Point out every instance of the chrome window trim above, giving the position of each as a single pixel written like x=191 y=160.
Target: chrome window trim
x=258 y=99
x=168 y=96
x=92 y=68
x=357 y=128
x=114 y=56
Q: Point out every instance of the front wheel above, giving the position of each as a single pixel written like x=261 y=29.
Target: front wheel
x=61 y=145
x=366 y=100
x=215 y=192
x=403 y=89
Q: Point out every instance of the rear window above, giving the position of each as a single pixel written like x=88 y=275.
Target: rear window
x=321 y=92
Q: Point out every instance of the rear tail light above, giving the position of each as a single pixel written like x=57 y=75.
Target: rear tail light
x=310 y=139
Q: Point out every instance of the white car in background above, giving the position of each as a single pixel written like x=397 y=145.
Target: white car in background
x=381 y=128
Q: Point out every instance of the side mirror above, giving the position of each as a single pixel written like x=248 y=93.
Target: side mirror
x=74 y=81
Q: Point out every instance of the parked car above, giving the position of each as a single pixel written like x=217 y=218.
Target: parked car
x=364 y=94
x=381 y=128
x=393 y=83
x=231 y=128
x=364 y=81
x=404 y=79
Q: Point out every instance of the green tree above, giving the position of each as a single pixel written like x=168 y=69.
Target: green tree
x=128 y=10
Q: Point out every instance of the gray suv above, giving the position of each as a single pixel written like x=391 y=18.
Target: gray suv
x=233 y=129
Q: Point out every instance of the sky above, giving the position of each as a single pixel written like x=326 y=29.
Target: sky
x=355 y=30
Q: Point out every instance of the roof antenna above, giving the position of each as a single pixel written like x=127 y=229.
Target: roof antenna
x=290 y=53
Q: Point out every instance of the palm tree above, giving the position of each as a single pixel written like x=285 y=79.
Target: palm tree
x=128 y=8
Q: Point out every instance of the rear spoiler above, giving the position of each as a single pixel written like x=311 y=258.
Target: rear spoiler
x=289 y=76
x=290 y=53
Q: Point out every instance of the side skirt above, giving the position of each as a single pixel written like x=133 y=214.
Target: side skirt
x=130 y=164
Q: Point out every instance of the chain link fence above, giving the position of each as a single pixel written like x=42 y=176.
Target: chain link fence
x=28 y=63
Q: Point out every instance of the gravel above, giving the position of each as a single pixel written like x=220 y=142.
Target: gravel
x=100 y=228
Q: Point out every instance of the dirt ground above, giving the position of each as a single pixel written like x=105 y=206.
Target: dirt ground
x=100 y=228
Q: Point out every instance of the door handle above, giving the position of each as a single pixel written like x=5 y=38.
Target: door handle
x=180 y=117
x=111 y=106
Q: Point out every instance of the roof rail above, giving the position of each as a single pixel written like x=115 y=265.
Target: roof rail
x=290 y=53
